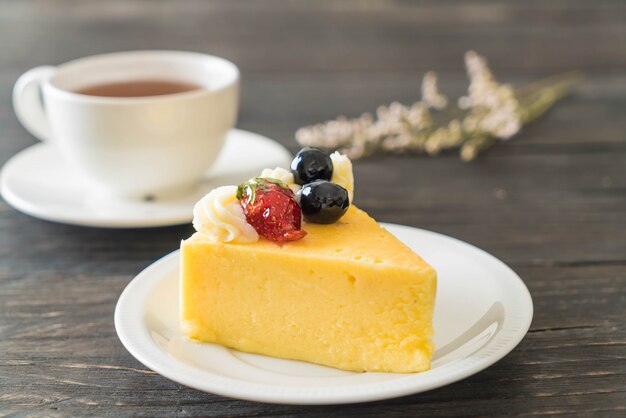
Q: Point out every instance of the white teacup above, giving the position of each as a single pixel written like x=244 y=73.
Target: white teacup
x=133 y=146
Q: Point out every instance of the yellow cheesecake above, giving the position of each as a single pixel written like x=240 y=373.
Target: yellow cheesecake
x=349 y=295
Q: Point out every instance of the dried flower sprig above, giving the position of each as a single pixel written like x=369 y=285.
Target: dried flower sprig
x=490 y=111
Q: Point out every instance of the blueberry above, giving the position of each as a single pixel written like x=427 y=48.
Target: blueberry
x=311 y=164
x=323 y=202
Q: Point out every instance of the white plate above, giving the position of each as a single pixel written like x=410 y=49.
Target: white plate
x=483 y=310
x=36 y=181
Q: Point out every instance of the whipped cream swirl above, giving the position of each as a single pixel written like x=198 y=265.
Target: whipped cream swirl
x=342 y=173
x=283 y=175
x=220 y=218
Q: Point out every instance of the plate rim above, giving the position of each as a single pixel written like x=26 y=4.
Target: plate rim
x=503 y=341
x=26 y=206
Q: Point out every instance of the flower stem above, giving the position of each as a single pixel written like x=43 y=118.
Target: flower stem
x=569 y=78
x=537 y=98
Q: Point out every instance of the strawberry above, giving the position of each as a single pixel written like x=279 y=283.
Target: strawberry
x=271 y=208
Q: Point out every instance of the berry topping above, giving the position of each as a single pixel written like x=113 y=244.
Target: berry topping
x=323 y=202
x=311 y=164
x=270 y=207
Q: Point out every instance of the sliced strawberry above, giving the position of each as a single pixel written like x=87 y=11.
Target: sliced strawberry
x=270 y=207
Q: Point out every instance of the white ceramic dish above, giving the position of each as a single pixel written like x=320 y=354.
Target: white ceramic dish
x=483 y=310
x=38 y=182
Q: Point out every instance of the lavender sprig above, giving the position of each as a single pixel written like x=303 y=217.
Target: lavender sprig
x=490 y=111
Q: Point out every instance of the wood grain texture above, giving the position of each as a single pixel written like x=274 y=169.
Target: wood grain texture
x=551 y=203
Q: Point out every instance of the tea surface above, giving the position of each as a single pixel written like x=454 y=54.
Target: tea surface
x=138 y=88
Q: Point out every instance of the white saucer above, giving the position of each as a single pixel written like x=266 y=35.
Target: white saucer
x=483 y=310
x=36 y=181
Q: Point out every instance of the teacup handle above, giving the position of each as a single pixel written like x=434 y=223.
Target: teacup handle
x=28 y=101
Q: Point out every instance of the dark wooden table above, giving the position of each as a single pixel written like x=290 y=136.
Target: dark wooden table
x=551 y=203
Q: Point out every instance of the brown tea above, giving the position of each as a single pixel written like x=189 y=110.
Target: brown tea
x=138 y=88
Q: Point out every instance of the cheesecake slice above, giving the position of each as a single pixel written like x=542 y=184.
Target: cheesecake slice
x=349 y=295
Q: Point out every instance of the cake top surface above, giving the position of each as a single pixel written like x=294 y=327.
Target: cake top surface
x=356 y=236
